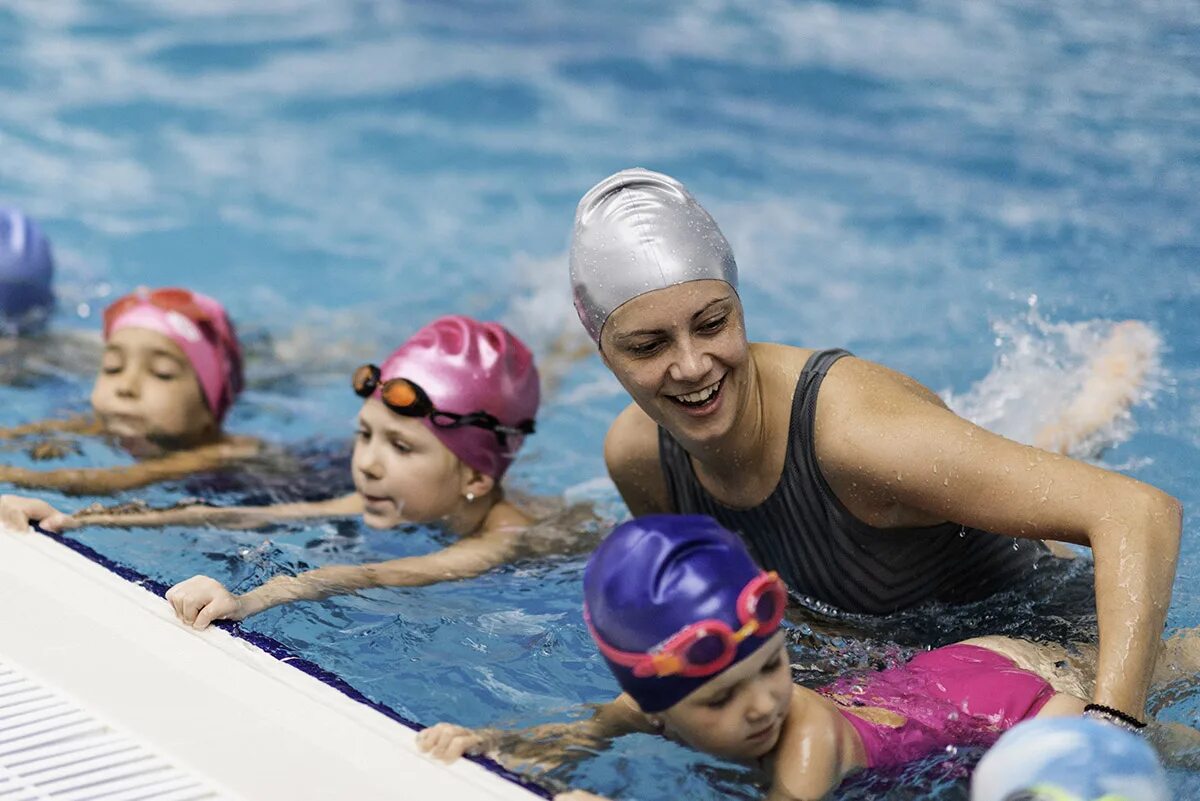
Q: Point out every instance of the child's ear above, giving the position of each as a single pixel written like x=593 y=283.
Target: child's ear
x=476 y=484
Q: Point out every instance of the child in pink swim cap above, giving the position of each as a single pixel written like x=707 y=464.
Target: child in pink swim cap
x=440 y=423
x=170 y=370
x=690 y=628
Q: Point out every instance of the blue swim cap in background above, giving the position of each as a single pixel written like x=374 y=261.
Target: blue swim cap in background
x=26 y=273
x=1069 y=759
x=654 y=576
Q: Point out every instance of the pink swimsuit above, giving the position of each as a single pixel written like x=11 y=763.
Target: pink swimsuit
x=959 y=695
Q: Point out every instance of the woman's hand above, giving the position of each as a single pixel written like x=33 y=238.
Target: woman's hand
x=200 y=600
x=18 y=513
x=447 y=742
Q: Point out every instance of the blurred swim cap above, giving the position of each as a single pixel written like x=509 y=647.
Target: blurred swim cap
x=637 y=231
x=1069 y=759
x=200 y=327
x=654 y=576
x=467 y=366
x=26 y=273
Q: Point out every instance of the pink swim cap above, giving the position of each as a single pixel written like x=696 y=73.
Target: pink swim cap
x=200 y=327
x=467 y=366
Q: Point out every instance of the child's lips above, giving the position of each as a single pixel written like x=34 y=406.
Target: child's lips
x=124 y=425
x=375 y=500
x=762 y=734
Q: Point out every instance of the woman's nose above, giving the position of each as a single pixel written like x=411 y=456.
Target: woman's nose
x=691 y=363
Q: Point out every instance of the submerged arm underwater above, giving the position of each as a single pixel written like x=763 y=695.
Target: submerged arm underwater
x=201 y=600
x=546 y=746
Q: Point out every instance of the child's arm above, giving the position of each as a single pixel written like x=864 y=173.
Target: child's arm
x=816 y=750
x=81 y=424
x=17 y=513
x=544 y=745
x=201 y=600
x=108 y=480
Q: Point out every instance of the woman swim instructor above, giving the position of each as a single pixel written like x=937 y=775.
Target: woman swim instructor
x=854 y=482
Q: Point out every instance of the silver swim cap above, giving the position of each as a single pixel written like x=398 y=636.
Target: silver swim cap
x=637 y=231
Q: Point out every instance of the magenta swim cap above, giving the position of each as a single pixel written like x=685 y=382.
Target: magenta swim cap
x=467 y=366
x=200 y=327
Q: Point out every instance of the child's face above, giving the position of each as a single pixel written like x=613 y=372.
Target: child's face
x=740 y=713
x=402 y=471
x=146 y=390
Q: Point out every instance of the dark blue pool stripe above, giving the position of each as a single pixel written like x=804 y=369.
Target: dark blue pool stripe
x=281 y=652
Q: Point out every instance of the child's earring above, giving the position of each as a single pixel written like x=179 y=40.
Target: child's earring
x=470 y=497
x=657 y=724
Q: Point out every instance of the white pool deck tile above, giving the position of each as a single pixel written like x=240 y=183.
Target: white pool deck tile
x=104 y=695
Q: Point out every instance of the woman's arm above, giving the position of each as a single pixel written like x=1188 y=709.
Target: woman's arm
x=201 y=600
x=107 y=480
x=909 y=451
x=546 y=745
x=631 y=455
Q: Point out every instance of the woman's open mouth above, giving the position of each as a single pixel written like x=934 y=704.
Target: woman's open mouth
x=702 y=400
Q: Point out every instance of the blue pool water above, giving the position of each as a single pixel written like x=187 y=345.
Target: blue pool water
x=935 y=185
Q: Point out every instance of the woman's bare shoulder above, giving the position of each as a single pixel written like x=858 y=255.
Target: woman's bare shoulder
x=632 y=439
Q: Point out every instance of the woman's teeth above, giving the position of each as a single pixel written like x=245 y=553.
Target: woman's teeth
x=700 y=396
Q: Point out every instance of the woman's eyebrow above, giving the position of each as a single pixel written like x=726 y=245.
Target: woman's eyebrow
x=708 y=306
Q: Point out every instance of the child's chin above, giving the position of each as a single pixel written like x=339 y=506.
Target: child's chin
x=379 y=521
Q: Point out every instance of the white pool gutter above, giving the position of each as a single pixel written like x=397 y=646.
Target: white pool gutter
x=214 y=716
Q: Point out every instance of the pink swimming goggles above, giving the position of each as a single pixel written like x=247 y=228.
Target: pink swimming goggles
x=707 y=646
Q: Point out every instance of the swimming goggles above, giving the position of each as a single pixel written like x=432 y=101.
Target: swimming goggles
x=708 y=646
x=405 y=397
x=173 y=299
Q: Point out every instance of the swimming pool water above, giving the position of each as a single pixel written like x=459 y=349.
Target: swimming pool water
x=899 y=178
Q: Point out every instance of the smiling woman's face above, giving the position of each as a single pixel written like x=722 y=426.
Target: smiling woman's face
x=681 y=353
x=147 y=390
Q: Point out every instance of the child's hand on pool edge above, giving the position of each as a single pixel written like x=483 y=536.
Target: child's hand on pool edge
x=17 y=513
x=200 y=600
x=447 y=741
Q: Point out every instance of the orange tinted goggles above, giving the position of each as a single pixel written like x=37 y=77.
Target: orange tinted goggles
x=168 y=299
x=405 y=397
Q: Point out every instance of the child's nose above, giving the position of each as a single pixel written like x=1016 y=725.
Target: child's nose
x=129 y=383
x=762 y=703
x=365 y=462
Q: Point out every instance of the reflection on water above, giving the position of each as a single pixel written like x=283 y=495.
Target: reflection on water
x=895 y=178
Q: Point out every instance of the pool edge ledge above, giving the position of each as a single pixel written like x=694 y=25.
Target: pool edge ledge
x=216 y=705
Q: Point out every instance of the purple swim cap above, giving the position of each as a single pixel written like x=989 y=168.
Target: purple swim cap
x=467 y=366
x=652 y=577
x=26 y=272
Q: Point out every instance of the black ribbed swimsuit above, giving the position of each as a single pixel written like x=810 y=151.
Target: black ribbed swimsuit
x=825 y=554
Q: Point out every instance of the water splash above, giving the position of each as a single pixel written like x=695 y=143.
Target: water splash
x=1065 y=386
